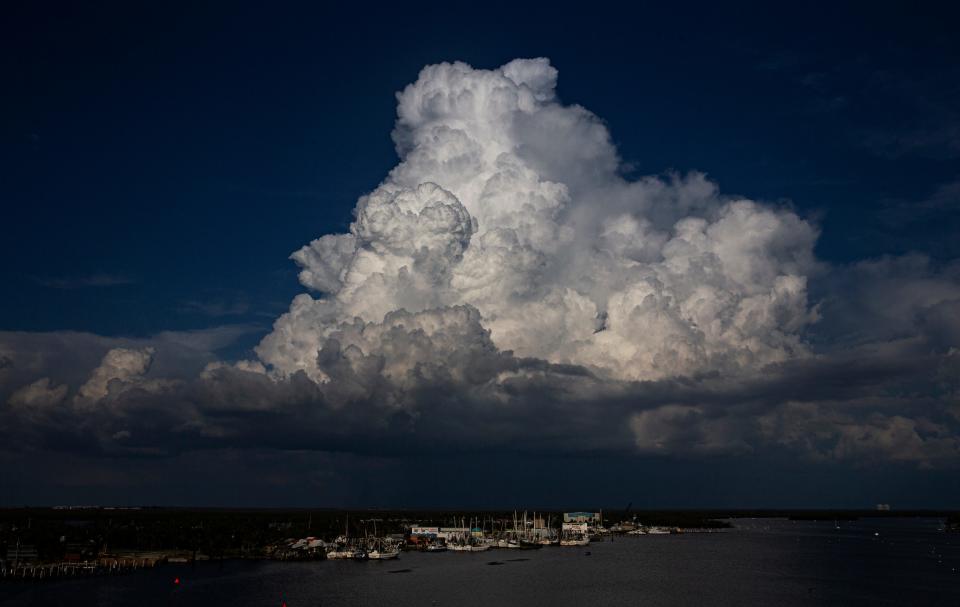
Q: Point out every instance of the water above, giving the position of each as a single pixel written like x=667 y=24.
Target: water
x=760 y=562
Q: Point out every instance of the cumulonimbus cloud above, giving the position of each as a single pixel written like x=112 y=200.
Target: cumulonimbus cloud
x=510 y=202
x=506 y=285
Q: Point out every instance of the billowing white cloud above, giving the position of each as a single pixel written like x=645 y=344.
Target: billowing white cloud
x=510 y=202
x=506 y=287
x=830 y=432
x=38 y=395
x=120 y=367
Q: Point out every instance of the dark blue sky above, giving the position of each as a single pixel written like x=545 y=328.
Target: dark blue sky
x=160 y=164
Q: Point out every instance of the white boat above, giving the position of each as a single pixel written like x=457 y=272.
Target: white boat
x=468 y=542
x=342 y=546
x=468 y=547
x=372 y=547
x=574 y=534
x=341 y=553
x=382 y=549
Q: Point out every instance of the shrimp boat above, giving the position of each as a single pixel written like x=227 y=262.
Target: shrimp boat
x=379 y=548
x=524 y=535
x=342 y=547
x=574 y=534
x=466 y=547
x=467 y=543
x=341 y=552
x=382 y=550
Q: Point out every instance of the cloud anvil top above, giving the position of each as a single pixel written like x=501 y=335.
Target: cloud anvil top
x=506 y=284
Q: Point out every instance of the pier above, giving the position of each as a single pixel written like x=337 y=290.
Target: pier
x=104 y=565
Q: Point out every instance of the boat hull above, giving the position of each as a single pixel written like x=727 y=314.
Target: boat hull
x=469 y=548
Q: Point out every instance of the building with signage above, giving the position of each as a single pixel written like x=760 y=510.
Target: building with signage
x=582 y=517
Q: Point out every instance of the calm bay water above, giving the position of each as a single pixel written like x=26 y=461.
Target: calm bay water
x=760 y=562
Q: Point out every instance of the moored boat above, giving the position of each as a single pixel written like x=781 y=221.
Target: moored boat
x=341 y=552
x=574 y=534
x=381 y=549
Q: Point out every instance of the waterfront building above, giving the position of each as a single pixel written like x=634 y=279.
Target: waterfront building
x=425 y=532
x=582 y=517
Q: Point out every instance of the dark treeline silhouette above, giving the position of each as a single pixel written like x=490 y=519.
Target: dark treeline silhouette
x=243 y=533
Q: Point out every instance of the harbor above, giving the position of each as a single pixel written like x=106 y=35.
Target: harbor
x=49 y=544
x=41 y=545
x=523 y=531
x=768 y=561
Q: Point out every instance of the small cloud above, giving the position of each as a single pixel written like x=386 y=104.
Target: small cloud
x=943 y=201
x=41 y=393
x=933 y=139
x=945 y=198
x=83 y=282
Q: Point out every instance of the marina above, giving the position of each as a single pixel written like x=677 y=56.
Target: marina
x=47 y=548
x=757 y=561
x=479 y=534
x=41 y=545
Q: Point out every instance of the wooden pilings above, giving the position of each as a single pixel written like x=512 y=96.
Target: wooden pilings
x=102 y=566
